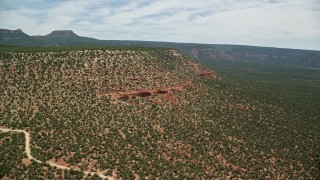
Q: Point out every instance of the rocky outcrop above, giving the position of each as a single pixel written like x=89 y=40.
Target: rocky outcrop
x=200 y=71
x=147 y=92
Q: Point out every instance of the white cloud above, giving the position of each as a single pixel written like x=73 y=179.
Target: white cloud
x=281 y=23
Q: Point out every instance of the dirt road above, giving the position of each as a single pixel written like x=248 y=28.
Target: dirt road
x=28 y=152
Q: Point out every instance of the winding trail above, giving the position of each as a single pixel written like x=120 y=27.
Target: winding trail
x=28 y=152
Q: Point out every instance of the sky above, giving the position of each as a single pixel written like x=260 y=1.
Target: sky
x=273 y=23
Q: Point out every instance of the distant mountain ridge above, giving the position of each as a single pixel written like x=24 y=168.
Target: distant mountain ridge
x=18 y=33
x=207 y=54
x=62 y=33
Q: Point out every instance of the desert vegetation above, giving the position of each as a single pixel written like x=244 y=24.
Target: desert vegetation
x=213 y=128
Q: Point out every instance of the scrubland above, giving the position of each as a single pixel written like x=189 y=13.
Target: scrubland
x=213 y=128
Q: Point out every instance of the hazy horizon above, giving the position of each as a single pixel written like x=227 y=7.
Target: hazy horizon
x=269 y=23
